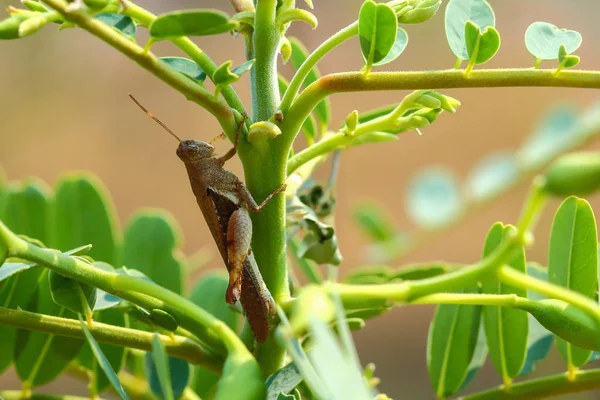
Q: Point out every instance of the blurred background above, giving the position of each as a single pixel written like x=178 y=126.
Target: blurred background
x=64 y=107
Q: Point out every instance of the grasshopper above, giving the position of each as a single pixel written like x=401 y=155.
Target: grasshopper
x=225 y=203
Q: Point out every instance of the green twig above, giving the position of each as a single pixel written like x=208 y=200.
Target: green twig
x=264 y=85
x=177 y=346
x=151 y=63
x=542 y=388
x=145 y=18
x=78 y=270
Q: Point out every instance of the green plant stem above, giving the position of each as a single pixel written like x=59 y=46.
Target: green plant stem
x=515 y=278
x=410 y=80
x=503 y=300
x=263 y=78
x=151 y=63
x=83 y=272
x=18 y=395
x=145 y=18
x=121 y=283
x=312 y=60
x=377 y=295
x=177 y=347
x=542 y=388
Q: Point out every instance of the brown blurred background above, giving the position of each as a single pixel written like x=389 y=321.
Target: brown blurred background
x=64 y=106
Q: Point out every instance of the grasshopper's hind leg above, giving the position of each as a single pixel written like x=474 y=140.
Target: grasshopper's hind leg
x=239 y=236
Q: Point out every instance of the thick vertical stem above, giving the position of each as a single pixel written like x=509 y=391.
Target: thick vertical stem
x=265 y=166
x=265 y=91
x=265 y=171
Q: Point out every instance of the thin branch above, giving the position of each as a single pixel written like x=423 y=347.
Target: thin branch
x=145 y=18
x=150 y=62
x=542 y=388
x=410 y=80
x=179 y=347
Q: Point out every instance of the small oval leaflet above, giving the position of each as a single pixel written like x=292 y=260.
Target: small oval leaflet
x=199 y=22
x=433 y=198
x=377 y=30
x=120 y=22
x=397 y=49
x=573 y=261
x=186 y=67
x=458 y=12
x=543 y=40
x=482 y=44
x=493 y=174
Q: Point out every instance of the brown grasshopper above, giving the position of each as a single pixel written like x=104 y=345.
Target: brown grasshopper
x=225 y=203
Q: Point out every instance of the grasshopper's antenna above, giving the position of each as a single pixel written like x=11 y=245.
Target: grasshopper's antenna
x=158 y=121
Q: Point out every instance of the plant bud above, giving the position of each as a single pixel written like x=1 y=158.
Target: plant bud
x=575 y=174
x=9 y=28
x=34 y=5
x=96 y=4
x=374 y=137
x=31 y=26
x=566 y=321
x=263 y=129
x=419 y=11
x=241 y=378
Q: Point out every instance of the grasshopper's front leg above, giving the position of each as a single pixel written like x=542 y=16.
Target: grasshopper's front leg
x=239 y=236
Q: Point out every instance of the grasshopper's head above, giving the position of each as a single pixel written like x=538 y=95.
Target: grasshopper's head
x=194 y=150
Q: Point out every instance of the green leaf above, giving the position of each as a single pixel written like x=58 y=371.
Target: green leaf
x=451 y=345
x=243 y=68
x=283 y=381
x=416 y=272
x=492 y=175
x=377 y=30
x=223 y=75
x=105 y=300
x=573 y=261
x=482 y=45
x=575 y=173
x=9 y=269
x=120 y=22
x=299 y=55
x=539 y=339
x=104 y=362
x=208 y=294
x=24 y=209
x=83 y=213
x=114 y=354
x=374 y=221
x=152 y=238
x=186 y=67
x=433 y=198
x=556 y=131
x=73 y=295
x=199 y=22
x=40 y=358
x=458 y=12
x=506 y=329
x=335 y=366
x=543 y=40
x=157 y=370
x=397 y=48
x=478 y=360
